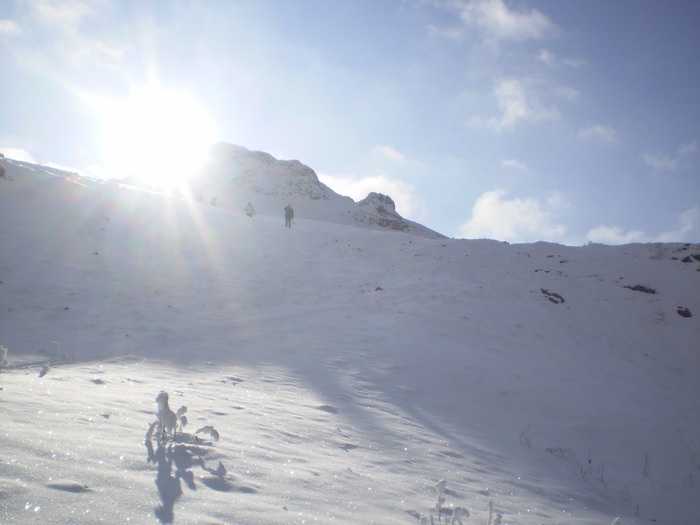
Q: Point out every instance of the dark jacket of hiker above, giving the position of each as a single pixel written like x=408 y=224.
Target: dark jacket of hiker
x=288 y=215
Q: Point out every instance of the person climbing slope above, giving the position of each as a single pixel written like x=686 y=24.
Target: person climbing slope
x=288 y=215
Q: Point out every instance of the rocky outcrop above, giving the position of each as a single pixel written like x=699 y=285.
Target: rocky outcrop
x=380 y=209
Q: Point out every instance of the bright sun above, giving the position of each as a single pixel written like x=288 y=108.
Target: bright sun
x=159 y=137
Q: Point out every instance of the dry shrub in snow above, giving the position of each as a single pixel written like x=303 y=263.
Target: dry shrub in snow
x=169 y=423
x=166 y=424
x=457 y=513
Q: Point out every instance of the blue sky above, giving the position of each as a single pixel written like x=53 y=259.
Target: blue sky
x=518 y=120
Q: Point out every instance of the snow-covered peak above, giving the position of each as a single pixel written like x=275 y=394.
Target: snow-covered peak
x=237 y=176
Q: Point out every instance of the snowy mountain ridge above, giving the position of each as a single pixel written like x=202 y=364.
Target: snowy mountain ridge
x=238 y=176
x=347 y=370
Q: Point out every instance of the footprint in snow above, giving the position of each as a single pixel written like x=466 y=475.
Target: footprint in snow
x=328 y=408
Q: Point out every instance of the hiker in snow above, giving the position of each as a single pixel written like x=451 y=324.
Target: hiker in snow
x=213 y=201
x=249 y=210
x=288 y=215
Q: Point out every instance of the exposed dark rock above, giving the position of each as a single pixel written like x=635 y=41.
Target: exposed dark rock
x=640 y=288
x=552 y=296
x=683 y=312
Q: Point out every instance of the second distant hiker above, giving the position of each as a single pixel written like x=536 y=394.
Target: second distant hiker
x=288 y=215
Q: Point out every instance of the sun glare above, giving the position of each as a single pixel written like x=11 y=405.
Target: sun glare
x=158 y=137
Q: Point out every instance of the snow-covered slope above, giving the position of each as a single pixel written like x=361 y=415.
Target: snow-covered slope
x=347 y=370
x=235 y=176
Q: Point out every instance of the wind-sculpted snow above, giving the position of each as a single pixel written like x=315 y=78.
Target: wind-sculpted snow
x=346 y=371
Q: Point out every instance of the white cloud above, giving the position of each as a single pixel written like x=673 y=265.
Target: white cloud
x=547 y=57
x=516 y=103
x=9 y=28
x=551 y=60
x=358 y=187
x=516 y=220
x=574 y=62
x=567 y=93
x=556 y=200
x=598 y=132
x=616 y=235
x=497 y=22
x=60 y=13
x=515 y=164
x=12 y=152
x=63 y=25
x=688 y=230
x=665 y=162
x=388 y=152
x=660 y=162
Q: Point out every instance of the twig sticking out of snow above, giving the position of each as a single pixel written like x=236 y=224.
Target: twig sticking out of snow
x=440 y=489
x=166 y=419
x=457 y=513
x=181 y=417
x=169 y=423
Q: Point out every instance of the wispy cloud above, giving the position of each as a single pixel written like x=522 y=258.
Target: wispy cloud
x=389 y=153
x=548 y=58
x=64 y=14
x=666 y=162
x=687 y=230
x=661 y=162
x=567 y=93
x=9 y=28
x=616 y=235
x=515 y=220
x=516 y=103
x=598 y=132
x=514 y=164
x=67 y=34
x=358 y=187
x=16 y=153
x=688 y=227
x=496 y=22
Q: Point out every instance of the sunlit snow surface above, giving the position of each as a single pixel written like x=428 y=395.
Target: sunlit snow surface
x=346 y=370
